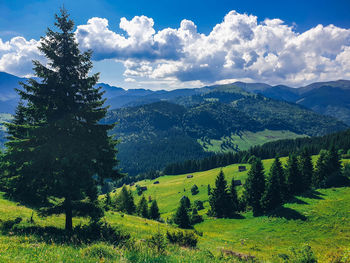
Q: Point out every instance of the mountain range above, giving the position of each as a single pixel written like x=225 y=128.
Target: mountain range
x=160 y=127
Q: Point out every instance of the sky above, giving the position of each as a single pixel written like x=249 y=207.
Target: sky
x=185 y=44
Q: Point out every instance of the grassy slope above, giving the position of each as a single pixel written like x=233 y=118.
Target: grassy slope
x=246 y=140
x=327 y=228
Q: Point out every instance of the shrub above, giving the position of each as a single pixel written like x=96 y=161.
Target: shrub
x=198 y=204
x=302 y=255
x=185 y=239
x=194 y=190
x=100 y=251
x=158 y=242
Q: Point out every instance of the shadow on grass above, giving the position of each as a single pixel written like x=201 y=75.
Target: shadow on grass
x=79 y=235
x=296 y=200
x=312 y=194
x=237 y=216
x=287 y=213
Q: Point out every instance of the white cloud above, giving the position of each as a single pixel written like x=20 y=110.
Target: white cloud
x=238 y=48
x=16 y=56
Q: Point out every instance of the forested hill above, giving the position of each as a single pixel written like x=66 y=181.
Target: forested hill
x=160 y=133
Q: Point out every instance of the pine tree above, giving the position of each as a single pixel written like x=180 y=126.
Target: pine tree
x=142 y=207
x=186 y=201
x=321 y=174
x=209 y=189
x=181 y=218
x=195 y=217
x=306 y=169
x=57 y=145
x=219 y=200
x=293 y=176
x=108 y=202
x=255 y=186
x=194 y=189
x=273 y=196
x=125 y=201
x=233 y=196
x=154 y=211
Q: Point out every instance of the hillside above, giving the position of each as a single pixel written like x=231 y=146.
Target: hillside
x=224 y=119
x=318 y=219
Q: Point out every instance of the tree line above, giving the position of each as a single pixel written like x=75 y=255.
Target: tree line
x=313 y=145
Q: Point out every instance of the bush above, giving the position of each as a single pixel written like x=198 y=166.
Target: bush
x=101 y=231
x=198 y=204
x=194 y=190
x=302 y=255
x=100 y=251
x=158 y=242
x=185 y=239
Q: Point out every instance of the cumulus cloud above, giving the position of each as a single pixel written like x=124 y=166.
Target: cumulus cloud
x=239 y=48
x=16 y=56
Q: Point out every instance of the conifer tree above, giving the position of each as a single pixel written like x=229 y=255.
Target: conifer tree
x=108 y=201
x=125 y=201
x=194 y=189
x=293 y=176
x=273 y=196
x=219 y=200
x=306 y=169
x=186 y=201
x=57 y=146
x=320 y=175
x=233 y=196
x=255 y=186
x=154 y=211
x=209 y=189
x=142 y=208
x=181 y=217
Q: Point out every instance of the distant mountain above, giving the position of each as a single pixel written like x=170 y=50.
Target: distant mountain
x=328 y=98
x=224 y=118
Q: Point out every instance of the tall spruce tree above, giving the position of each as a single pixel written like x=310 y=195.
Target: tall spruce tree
x=234 y=197
x=219 y=200
x=181 y=217
x=273 y=196
x=321 y=173
x=306 y=169
x=142 y=207
x=255 y=186
x=57 y=150
x=293 y=176
x=125 y=201
x=154 y=211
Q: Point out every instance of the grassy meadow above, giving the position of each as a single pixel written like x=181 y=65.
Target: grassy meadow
x=319 y=219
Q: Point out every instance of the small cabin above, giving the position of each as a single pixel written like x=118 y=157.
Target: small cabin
x=190 y=176
x=156 y=182
x=143 y=188
x=237 y=182
x=242 y=168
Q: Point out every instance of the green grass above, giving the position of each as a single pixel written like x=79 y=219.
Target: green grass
x=246 y=140
x=320 y=220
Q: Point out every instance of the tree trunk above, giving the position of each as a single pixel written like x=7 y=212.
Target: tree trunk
x=69 y=216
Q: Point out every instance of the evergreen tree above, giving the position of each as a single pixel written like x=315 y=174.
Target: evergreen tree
x=306 y=169
x=56 y=143
x=293 y=176
x=219 y=200
x=154 y=211
x=209 y=189
x=273 y=197
x=181 y=218
x=108 y=202
x=320 y=175
x=234 y=197
x=194 y=190
x=186 y=201
x=255 y=186
x=142 y=207
x=125 y=201
x=195 y=217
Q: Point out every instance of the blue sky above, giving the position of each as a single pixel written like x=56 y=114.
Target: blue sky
x=155 y=65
